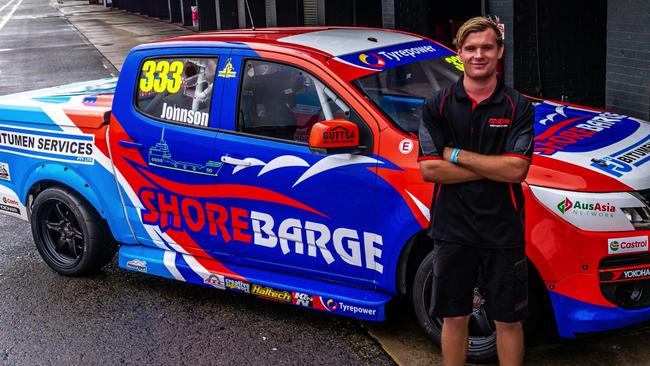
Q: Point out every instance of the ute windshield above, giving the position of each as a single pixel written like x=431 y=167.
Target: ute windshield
x=399 y=92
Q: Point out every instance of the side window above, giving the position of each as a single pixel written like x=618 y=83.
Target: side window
x=177 y=90
x=282 y=101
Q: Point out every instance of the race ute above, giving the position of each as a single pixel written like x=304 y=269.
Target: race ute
x=282 y=163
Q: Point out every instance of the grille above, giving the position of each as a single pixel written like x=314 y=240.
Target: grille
x=625 y=261
x=645 y=196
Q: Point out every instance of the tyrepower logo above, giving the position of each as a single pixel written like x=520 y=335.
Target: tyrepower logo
x=627 y=245
x=566 y=206
x=356 y=309
x=372 y=60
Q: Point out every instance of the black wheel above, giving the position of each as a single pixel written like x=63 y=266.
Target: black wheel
x=69 y=234
x=482 y=332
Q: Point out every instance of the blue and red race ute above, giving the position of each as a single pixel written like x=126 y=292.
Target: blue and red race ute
x=282 y=163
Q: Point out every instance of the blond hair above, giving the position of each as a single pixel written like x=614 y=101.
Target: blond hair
x=478 y=24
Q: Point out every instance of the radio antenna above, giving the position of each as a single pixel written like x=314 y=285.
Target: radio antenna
x=250 y=16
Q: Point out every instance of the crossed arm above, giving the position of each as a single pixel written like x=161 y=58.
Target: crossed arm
x=473 y=166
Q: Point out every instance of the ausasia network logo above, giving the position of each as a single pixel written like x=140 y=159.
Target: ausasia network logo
x=596 y=209
x=565 y=205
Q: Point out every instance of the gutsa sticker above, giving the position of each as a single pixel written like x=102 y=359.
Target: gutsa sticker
x=625 y=160
x=47 y=144
x=388 y=57
x=632 y=244
x=560 y=128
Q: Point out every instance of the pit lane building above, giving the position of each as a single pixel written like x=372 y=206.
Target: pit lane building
x=595 y=53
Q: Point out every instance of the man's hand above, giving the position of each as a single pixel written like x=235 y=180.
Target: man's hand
x=446 y=153
x=509 y=169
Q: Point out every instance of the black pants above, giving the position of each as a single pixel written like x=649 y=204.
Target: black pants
x=503 y=281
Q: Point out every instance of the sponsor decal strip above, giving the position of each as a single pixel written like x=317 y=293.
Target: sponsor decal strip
x=47 y=145
x=627 y=245
x=626 y=274
x=383 y=58
x=624 y=160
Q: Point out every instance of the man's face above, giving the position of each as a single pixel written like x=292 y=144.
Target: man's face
x=480 y=54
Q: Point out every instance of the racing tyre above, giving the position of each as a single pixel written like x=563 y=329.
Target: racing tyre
x=482 y=332
x=69 y=234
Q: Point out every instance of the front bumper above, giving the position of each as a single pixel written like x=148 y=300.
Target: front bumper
x=574 y=316
x=589 y=282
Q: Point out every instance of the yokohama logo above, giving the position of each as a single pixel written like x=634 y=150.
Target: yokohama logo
x=636 y=273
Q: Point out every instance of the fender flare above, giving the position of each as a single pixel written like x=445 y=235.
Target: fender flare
x=64 y=175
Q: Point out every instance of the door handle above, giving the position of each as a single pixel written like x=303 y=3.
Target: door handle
x=230 y=160
x=130 y=145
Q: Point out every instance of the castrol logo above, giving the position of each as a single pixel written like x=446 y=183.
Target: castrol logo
x=627 y=245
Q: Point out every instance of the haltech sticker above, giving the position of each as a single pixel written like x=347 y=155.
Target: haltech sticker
x=627 y=245
x=271 y=293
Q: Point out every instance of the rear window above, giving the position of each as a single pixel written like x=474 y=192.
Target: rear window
x=176 y=90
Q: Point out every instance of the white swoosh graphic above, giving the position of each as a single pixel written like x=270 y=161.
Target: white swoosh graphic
x=334 y=161
x=421 y=206
x=254 y=162
x=282 y=162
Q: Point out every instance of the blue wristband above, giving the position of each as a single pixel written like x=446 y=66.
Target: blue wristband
x=454 y=156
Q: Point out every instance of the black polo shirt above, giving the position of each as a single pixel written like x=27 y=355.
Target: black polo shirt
x=483 y=213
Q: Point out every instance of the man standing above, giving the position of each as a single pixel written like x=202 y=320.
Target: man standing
x=476 y=144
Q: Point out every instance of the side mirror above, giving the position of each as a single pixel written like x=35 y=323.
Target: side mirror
x=334 y=136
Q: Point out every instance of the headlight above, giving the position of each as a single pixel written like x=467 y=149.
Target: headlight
x=638 y=216
x=619 y=211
